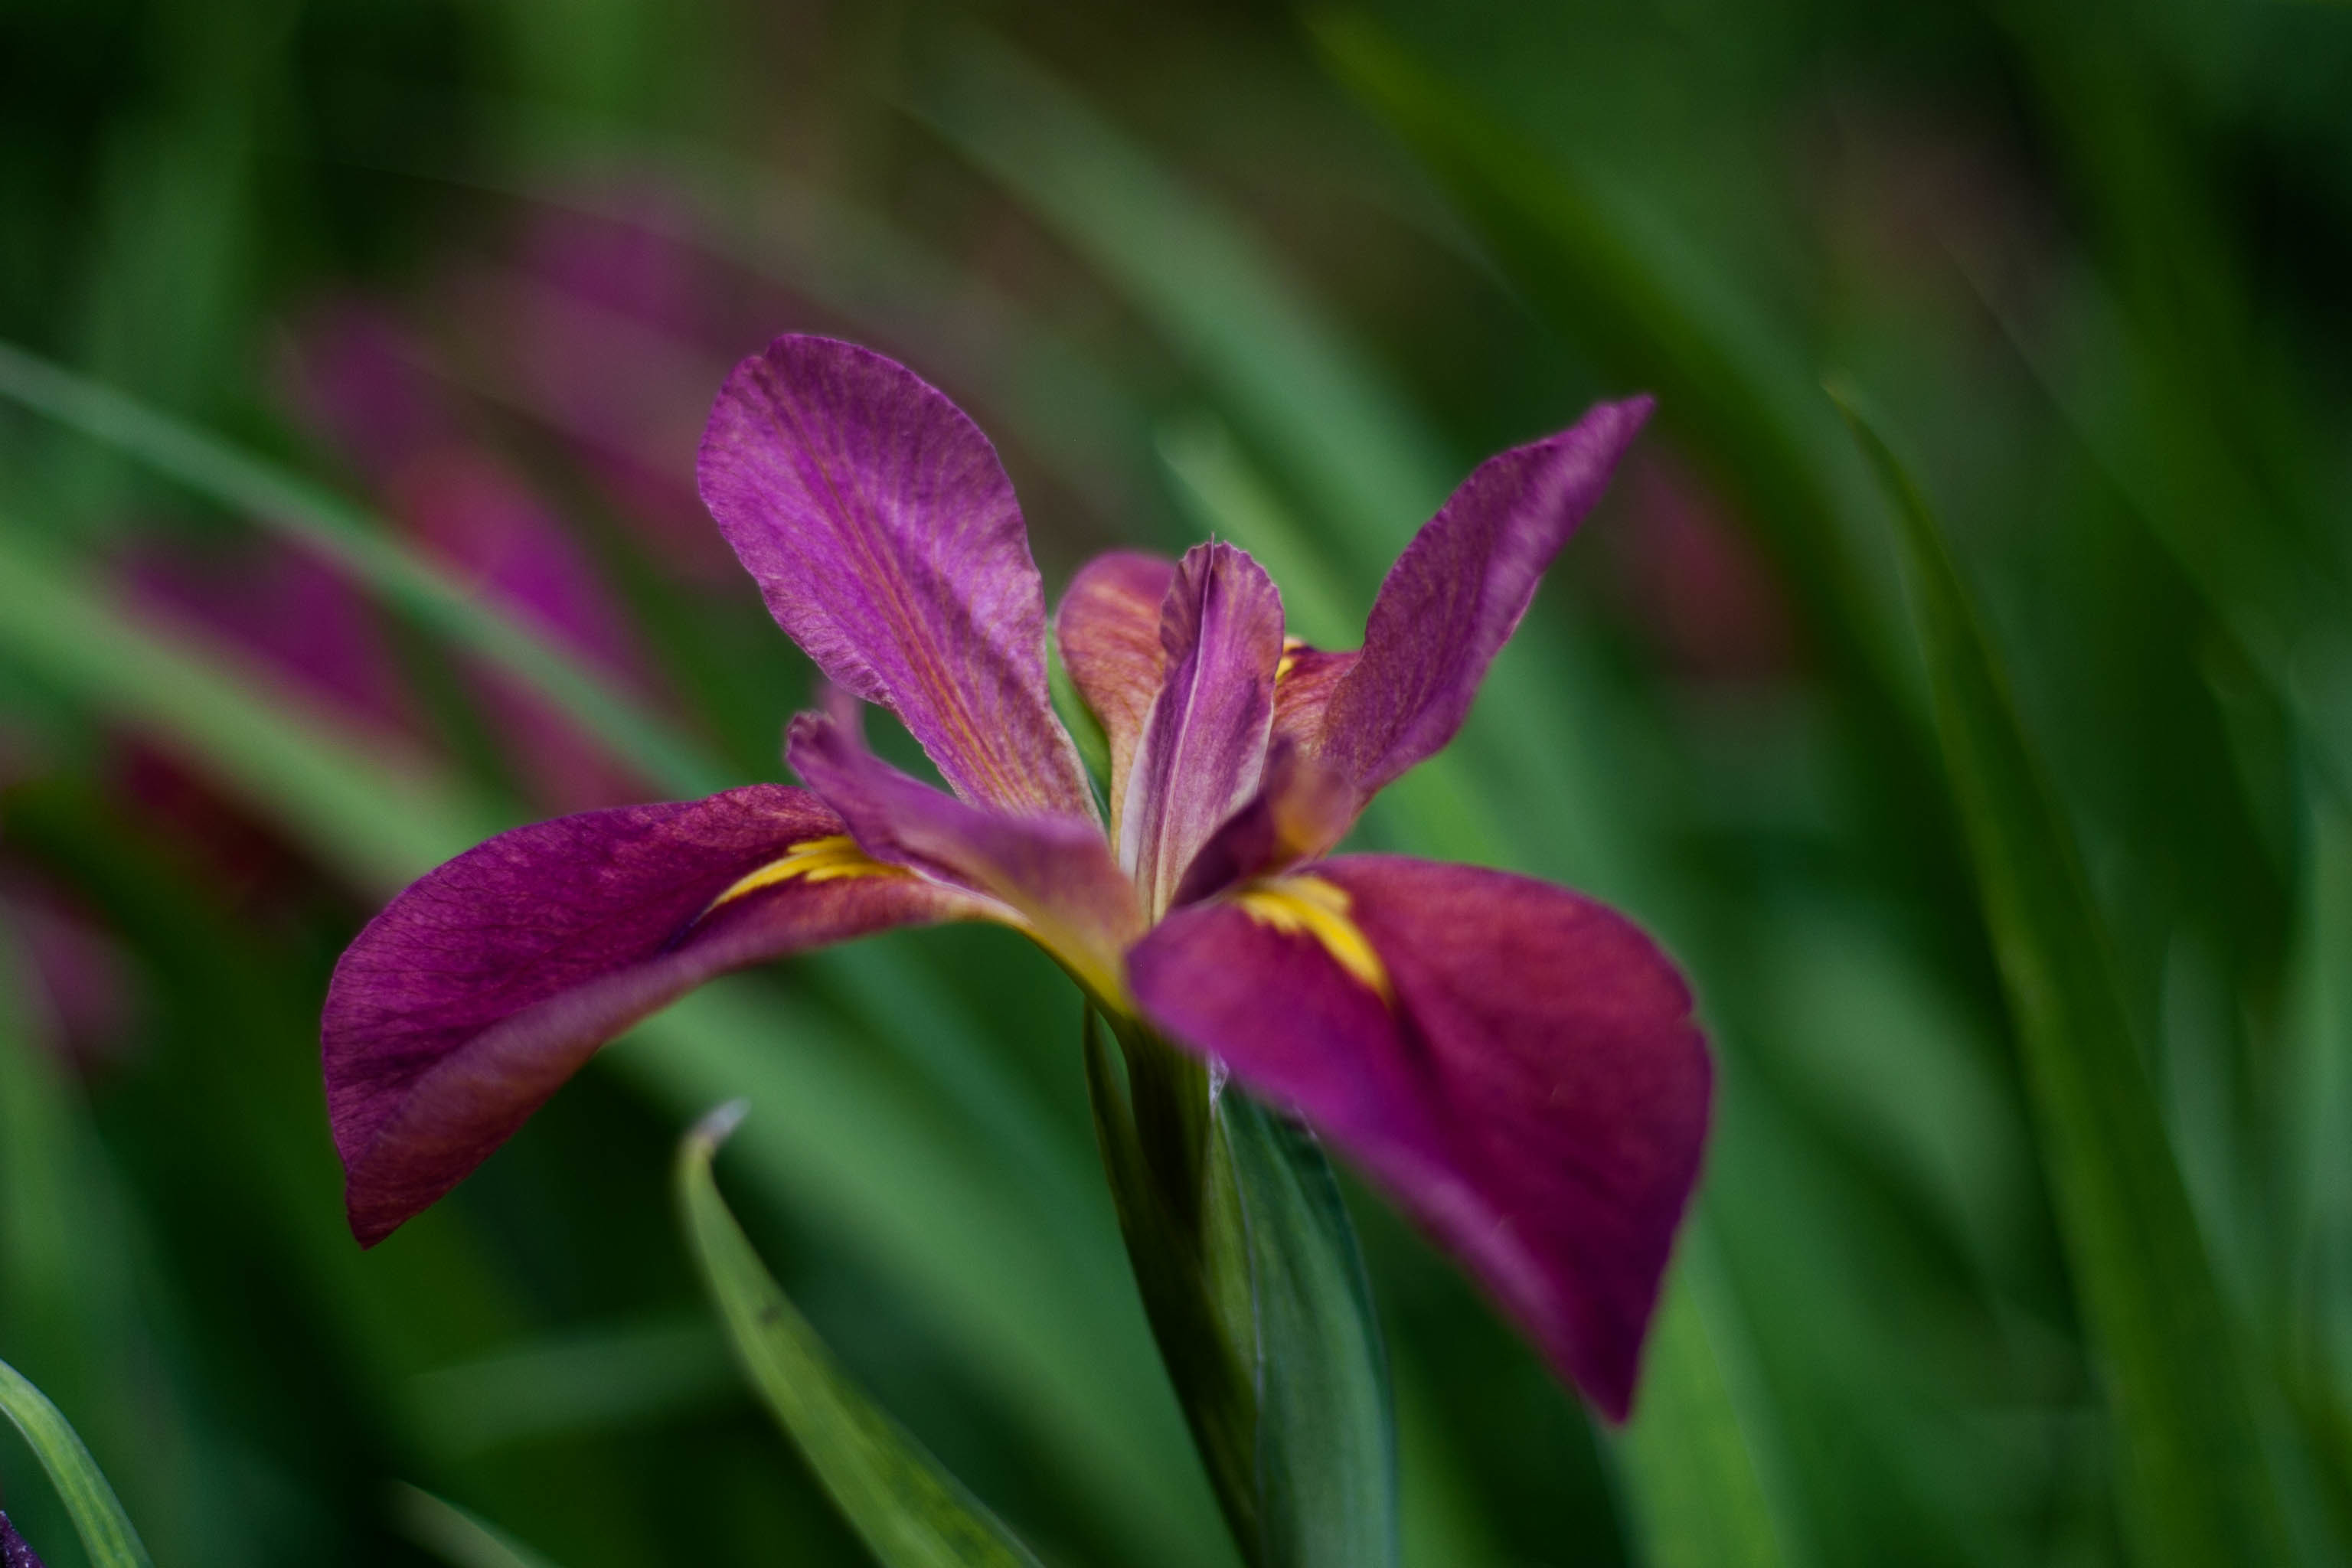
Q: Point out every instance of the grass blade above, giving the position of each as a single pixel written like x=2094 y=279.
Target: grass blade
x=2194 y=1485
x=360 y=544
x=455 y=1536
x=1209 y=289
x=908 y=1511
x=1686 y=1442
x=106 y=1532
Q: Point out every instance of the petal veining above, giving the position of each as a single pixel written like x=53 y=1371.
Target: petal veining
x=1204 y=745
x=1457 y=594
x=1056 y=871
x=488 y=982
x=1109 y=627
x=887 y=542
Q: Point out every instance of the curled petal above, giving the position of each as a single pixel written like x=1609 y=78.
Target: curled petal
x=1300 y=810
x=1204 y=745
x=885 y=540
x=1109 y=627
x=1457 y=593
x=1517 y=1064
x=1056 y=871
x=490 y=981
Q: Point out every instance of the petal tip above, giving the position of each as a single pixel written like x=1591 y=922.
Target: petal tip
x=717 y=1125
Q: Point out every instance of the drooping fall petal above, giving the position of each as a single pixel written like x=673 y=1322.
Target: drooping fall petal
x=1055 y=870
x=1455 y=595
x=1109 y=627
x=1515 y=1064
x=1203 y=744
x=491 y=980
x=886 y=539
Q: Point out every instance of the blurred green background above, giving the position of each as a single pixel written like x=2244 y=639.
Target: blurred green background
x=438 y=295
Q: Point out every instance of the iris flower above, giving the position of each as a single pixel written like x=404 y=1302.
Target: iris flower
x=1515 y=1064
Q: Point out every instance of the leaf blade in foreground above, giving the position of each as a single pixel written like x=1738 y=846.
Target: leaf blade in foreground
x=909 y=1512
x=106 y=1532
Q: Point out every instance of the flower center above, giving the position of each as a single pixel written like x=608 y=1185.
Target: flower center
x=1310 y=906
x=822 y=859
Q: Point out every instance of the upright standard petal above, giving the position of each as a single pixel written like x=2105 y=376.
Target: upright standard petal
x=1455 y=595
x=490 y=981
x=1109 y=627
x=885 y=540
x=1055 y=871
x=1517 y=1064
x=1204 y=745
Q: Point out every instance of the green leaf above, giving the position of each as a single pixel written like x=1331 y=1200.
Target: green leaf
x=455 y=1536
x=909 y=1512
x=2195 y=1488
x=362 y=546
x=1698 y=1497
x=1256 y=1288
x=106 y=1534
x=1327 y=1460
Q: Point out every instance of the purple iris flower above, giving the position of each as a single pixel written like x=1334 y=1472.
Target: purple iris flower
x=1515 y=1064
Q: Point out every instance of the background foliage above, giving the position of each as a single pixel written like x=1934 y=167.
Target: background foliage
x=433 y=298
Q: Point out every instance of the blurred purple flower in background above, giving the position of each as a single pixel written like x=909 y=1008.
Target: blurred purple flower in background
x=1514 y=1063
x=83 y=982
x=374 y=392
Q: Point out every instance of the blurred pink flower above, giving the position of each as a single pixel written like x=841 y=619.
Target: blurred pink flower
x=367 y=383
x=84 y=982
x=1695 y=584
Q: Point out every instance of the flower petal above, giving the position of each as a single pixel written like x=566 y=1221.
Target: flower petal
x=1055 y=870
x=1516 y=1063
x=1456 y=594
x=885 y=540
x=1301 y=808
x=1302 y=690
x=1109 y=627
x=1204 y=745
x=490 y=981
x=14 y=1552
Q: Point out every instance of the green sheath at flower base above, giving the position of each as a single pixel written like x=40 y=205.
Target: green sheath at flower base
x=1255 y=1289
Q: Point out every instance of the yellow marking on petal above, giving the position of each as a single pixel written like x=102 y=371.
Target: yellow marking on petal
x=1291 y=647
x=1313 y=907
x=826 y=859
